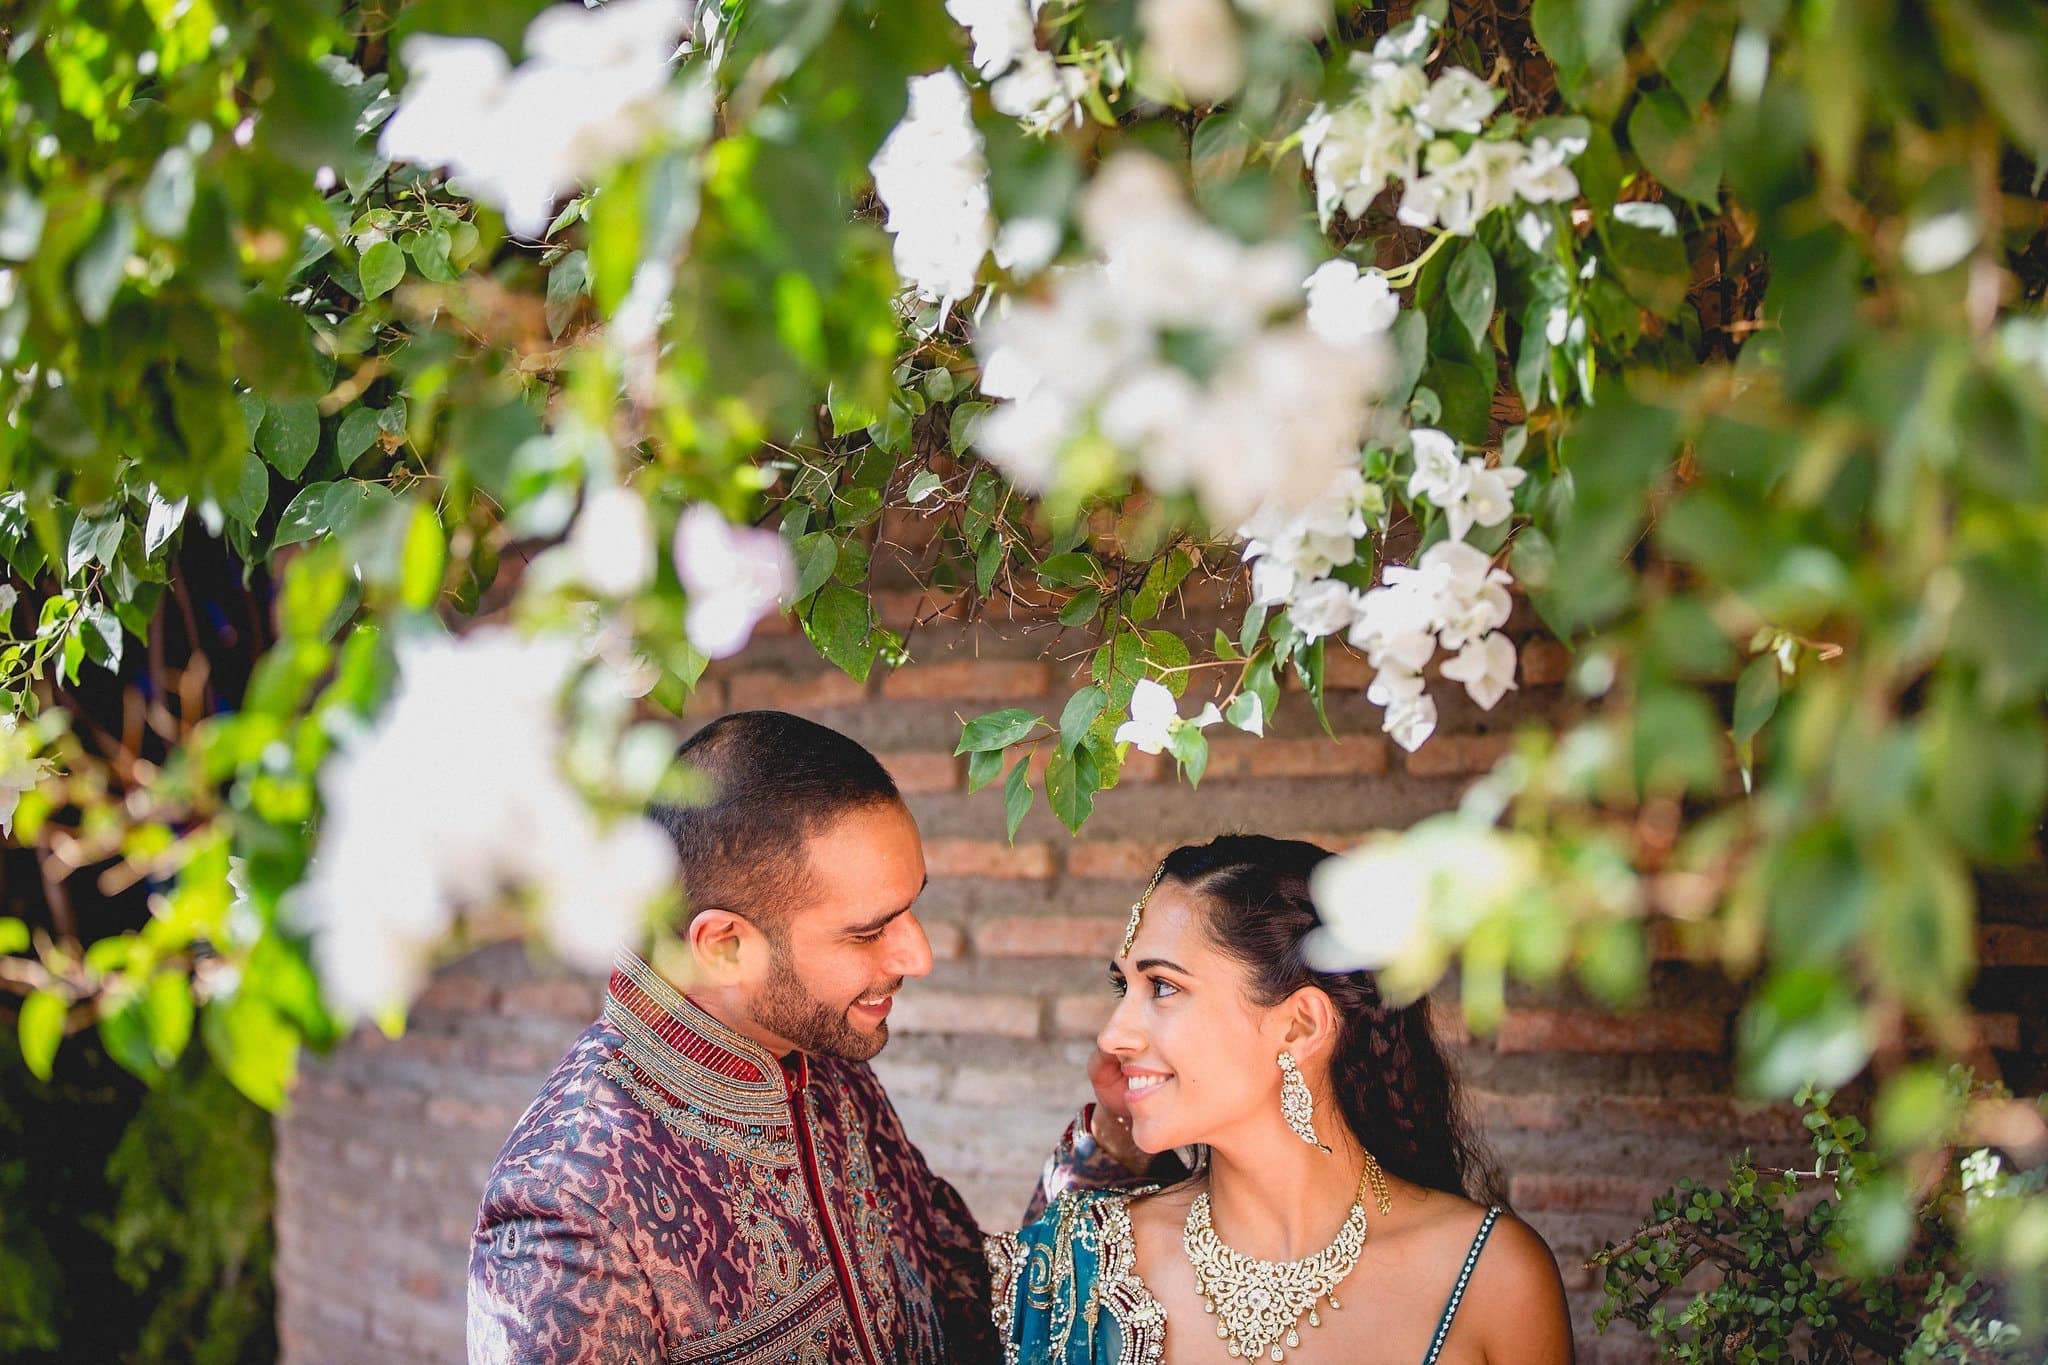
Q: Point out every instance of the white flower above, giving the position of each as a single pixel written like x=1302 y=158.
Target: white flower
x=1040 y=93
x=1306 y=17
x=1389 y=905
x=1489 y=496
x=1155 y=718
x=1934 y=244
x=1457 y=102
x=1648 y=216
x=1411 y=722
x=451 y=800
x=593 y=90
x=1487 y=668
x=1408 y=43
x=1326 y=606
x=1535 y=231
x=612 y=543
x=1348 y=306
x=1002 y=32
x=930 y=176
x=1458 y=190
x=1276 y=414
x=1439 y=475
x=1027 y=245
x=1467 y=595
x=1541 y=177
x=734 y=576
x=1193 y=44
x=20 y=769
x=8 y=597
x=1356 y=148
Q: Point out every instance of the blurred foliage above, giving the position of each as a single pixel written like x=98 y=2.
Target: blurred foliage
x=1838 y=1264
x=1778 y=382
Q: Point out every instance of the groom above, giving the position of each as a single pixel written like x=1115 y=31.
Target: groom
x=713 y=1173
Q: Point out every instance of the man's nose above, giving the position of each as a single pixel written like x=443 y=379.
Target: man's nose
x=911 y=953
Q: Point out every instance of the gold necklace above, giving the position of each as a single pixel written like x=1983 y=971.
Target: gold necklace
x=1258 y=1303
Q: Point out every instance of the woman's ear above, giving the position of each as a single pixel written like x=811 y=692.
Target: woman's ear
x=1310 y=1024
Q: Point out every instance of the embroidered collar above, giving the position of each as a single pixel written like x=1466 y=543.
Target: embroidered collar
x=692 y=1055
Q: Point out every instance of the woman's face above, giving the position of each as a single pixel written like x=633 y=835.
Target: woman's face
x=1198 y=1057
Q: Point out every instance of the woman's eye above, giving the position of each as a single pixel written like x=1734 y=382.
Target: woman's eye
x=1162 y=988
x=1116 y=986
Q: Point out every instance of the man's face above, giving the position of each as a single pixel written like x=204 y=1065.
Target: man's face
x=836 y=962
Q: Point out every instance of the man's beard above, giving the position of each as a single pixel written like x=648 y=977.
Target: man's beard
x=785 y=1008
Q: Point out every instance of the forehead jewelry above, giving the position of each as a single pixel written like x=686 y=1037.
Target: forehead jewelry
x=1137 y=909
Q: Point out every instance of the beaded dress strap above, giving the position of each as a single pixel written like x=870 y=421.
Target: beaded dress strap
x=1443 y=1328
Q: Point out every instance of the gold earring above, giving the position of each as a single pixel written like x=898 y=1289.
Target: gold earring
x=1297 y=1106
x=1137 y=909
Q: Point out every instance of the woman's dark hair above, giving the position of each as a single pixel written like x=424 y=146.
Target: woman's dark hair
x=1398 y=1093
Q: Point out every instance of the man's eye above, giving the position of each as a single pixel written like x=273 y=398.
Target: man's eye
x=875 y=937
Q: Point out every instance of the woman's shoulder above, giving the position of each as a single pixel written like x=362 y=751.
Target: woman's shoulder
x=1511 y=1293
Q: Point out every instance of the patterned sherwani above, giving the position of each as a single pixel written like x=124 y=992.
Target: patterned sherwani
x=676 y=1193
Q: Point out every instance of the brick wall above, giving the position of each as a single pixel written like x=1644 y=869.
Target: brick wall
x=382 y=1156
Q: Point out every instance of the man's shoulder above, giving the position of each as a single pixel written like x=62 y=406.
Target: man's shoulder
x=581 y=1116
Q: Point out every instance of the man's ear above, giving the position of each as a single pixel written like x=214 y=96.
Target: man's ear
x=723 y=946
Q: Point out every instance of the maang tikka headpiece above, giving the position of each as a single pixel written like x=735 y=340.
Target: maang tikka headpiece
x=1138 y=908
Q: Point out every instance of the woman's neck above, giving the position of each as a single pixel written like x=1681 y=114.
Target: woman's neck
x=1274 y=1197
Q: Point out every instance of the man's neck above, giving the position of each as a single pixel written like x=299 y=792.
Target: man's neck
x=725 y=1004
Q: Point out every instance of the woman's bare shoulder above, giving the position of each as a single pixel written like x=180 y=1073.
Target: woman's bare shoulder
x=1516 y=1297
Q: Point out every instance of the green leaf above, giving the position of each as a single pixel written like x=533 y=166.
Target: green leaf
x=922 y=485
x=1191 y=747
x=997 y=730
x=568 y=284
x=818 y=554
x=95 y=539
x=988 y=563
x=356 y=434
x=101 y=631
x=1016 y=797
x=383 y=267
x=245 y=502
x=966 y=420
x=983 y=767
x=42 y=1027
x=1079 y=714
x=1168 y=652
x=1081 y=608
x=840 y=624
x=168 y=194
x=1071 y=781
x=1682 y=151
x=423 y=560
x=97 y=274
x=1409 y=337
x=1473 y=288
x=167 y=1011
x=430 y=254
x=1756 y=697
x=13 y=936
x=290 y=434
x=1069 y=570
x=165 y=517
x=21 y=221
x=322 y=509
x=253 y=1046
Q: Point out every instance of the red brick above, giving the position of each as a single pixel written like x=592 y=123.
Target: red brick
x=457 y=994
x=706 y=699
x=1457 y=755
x=556 y=998
x=901 y=610
x=2013 y=945
x=1584 y=1193
x=988 y=858
x=969 y=680
x=1343 y=668
x=776 y=691
x=948 y=940
x=1139 y=766
x=921 y=1010
x=1595 y=1031
x=1081 y=1016
x=1447 y=1021
x=2000 y=1031
x=1717 y=1117
x=1350 y=756
x=922 y=774
x=1048 y=936
x=1118 y=859
x=1544 y=663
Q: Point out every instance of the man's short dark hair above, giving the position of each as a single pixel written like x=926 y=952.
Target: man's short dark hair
x=775 y=781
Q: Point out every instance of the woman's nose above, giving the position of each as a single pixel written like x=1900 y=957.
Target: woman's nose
x=1120 y=1036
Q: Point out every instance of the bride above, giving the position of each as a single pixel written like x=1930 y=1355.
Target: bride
x=1327 y=1220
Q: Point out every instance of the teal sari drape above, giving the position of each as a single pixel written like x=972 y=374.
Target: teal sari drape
x=1066 y=1291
